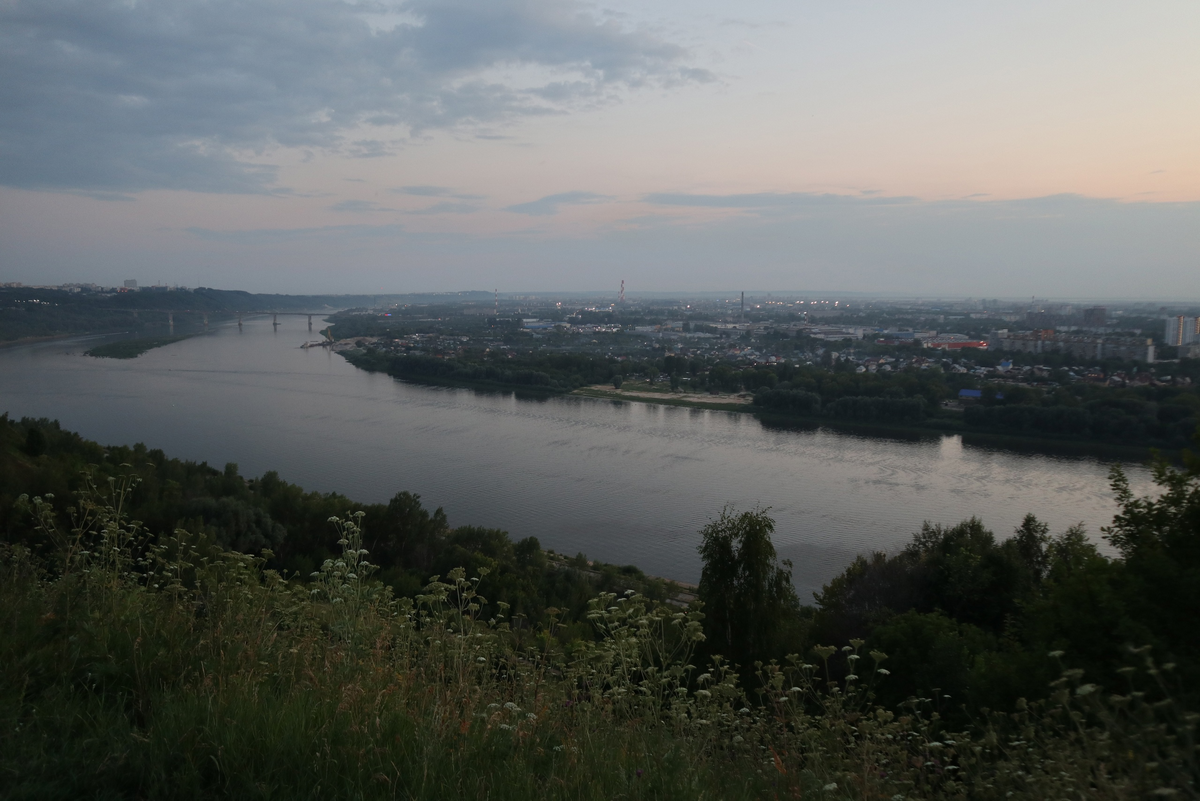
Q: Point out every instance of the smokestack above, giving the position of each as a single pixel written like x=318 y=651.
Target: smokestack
x=743 y=305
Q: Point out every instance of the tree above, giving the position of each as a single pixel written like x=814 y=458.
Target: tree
x=751 y=608
x=1158 y=537
x=618 y=380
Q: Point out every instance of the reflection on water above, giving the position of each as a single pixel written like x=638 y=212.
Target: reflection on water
x=622 y=482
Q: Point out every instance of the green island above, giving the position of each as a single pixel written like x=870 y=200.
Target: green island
x=130 y=348
x=171 y=629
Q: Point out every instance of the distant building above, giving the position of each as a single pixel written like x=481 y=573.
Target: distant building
x=1182 y=331
x=131 y=283
x=1095 y=317
x=954 y=342
x=1082 y=345
x=1040 y=319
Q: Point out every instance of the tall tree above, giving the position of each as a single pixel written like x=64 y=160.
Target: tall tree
x=751 y=608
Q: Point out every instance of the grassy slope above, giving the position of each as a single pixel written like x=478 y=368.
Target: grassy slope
x=136 y=666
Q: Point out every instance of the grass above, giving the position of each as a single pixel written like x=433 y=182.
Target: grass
x=131 y=348
x=134 y=665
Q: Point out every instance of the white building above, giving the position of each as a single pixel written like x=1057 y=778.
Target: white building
x=1182 y=330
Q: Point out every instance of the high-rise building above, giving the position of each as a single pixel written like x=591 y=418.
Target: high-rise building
x=1095 y=317
x=1182 y=330
x=131 y=283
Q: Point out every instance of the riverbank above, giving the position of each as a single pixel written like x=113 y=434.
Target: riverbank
x=15 y=343
x=930 y=428
x=723 y=402
x=132 y=348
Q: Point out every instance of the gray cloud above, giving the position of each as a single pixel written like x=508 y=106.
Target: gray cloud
x=546 y=206
x=1063 y=246
x=113 y=96
x=770 y=200
x=448 y=208
x=433 y=191
x=267 y=236
x=358 y=206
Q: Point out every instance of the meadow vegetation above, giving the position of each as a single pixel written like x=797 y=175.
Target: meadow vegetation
x=171 y=630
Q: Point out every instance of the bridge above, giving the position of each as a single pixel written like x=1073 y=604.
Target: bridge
x=240 y=314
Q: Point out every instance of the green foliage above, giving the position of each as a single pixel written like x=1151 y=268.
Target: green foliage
x=795 y=401
x=974 y=617
x=137 y=665
x=753 y=613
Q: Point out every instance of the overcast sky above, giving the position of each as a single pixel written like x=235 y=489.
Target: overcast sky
x=945 y=148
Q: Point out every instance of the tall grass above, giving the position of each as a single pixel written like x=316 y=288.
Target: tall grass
x=139 y=666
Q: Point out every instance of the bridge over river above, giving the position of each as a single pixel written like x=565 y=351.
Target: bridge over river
x=275 y=315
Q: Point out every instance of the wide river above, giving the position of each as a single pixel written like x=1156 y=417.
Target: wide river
x=629 y=483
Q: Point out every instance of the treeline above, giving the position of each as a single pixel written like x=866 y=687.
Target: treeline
x=977 y=618
x=409 y=542
x=1159 y=416
x=1164 y=416
x=855 y=407
x=542 y=372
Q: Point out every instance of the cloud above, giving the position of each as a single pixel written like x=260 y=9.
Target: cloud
x=358 y=206
x=770 y=200
x=433 y=191
x=260 y=236
x=448 y=208
x=115 y=96
x=548 y=205
x=744 y=23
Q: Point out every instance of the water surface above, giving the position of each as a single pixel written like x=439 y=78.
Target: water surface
x=621 y=482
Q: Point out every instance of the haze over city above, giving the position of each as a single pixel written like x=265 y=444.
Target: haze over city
x=921 y=148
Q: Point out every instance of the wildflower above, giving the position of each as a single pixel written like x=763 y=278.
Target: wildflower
x=1086 y=689
x=829 y=788
x=884 y=672
x=1056 y=654
x=530 y=716
x=511 y=707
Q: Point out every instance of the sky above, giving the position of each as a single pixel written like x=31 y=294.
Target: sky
x=926 y=148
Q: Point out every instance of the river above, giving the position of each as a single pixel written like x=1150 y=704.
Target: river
x=628 y=483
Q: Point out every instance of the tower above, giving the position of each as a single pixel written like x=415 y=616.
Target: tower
x=621 y=296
